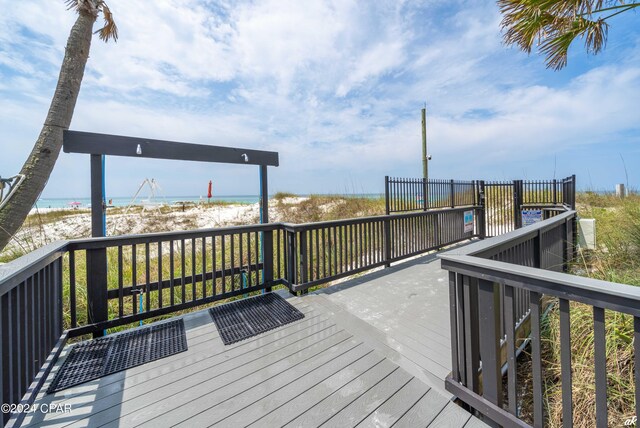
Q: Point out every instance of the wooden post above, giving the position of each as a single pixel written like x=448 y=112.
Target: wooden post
x=425 y=160
x=386 y=195
x=453 y=194
x=425 y=194
x=387 y=241
x=292 y=259
x=489 y=307
x=482 y=217
x=517 y=203
x=97 y=310
x=267 y=236
x=471 y=333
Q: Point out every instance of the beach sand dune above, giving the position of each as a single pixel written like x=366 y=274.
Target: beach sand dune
x=45 y=225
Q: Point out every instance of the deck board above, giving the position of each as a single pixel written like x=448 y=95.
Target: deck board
x=139 y=409
x=339 y=399
x=451 y=416
x=423 y=412
x=408 y=305
x=415 y=362
x=359 y=409
x=393 y=409
x=370 y=352
x=302 y=402
x=275 y=391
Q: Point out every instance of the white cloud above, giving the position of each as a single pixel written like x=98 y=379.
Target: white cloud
x=332 y=85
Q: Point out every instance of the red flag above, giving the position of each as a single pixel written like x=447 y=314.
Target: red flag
x=210 y=189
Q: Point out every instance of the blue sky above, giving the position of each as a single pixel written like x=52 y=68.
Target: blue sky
x=335 y=87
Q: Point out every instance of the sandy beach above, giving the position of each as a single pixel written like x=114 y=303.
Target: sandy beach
x=45 y=225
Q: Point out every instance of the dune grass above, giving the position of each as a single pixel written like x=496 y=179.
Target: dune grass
x=616 y=259
x=314 y=208
x=317 y=208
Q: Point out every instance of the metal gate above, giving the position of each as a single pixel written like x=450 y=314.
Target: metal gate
x=501 y=207
x=505 y=201
x=500 y=202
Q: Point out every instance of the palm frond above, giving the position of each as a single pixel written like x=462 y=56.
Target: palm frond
x=84 y=6
x=110 y=29
x=555 y=24
x=94 y=7
x=556 y=46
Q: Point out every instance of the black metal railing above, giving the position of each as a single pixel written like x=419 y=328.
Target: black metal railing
x=143 y=276
x=497 y=291
x=104 y=283
x=322 y=252
x=503 y=202
x=86 y=286
x=418 y=194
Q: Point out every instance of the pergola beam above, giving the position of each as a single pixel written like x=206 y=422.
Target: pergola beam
x=116 y=145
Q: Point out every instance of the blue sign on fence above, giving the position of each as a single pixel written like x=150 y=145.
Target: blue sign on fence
x=468 y=221
x=531 y=217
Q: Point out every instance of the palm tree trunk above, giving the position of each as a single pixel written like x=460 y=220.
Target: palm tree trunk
x=42 y=159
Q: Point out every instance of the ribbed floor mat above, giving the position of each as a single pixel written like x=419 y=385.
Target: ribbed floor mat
x=246 y=318
x=106 y=355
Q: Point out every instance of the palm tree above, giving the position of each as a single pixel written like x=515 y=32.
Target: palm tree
x=555 y=24
x=37 y=169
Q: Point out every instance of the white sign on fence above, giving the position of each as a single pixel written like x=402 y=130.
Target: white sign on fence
x=531 y=217
x=468 y=221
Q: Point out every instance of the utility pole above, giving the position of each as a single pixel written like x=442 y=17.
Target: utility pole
x=425 y=165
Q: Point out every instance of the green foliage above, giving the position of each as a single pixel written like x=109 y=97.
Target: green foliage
x=325 y=208
x=283 y=195
x=555 y=24
x=616 y=259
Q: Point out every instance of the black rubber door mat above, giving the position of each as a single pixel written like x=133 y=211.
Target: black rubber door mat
x=106 y=355
x=246 y=318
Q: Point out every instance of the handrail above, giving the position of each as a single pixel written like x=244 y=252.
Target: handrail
x=526 y=232
x=341 y=222
x=93 y=243
x=485 y=297
x=15 y=271
x=607 y=295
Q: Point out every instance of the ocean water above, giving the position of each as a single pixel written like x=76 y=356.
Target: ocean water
x=123 y=202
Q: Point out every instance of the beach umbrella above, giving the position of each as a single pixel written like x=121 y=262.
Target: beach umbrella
x=209 y=194
x=75 y=203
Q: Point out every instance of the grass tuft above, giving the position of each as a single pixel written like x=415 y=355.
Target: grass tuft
x=616 y=259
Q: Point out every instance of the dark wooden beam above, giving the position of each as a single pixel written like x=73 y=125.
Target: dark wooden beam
x=116 y=145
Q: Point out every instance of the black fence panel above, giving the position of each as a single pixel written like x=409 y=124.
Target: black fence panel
x=30 y=319
x=504 y=201
x=493 y=284
x=408 y=194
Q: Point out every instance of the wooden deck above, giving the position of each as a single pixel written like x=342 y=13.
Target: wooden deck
x=370 y=352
